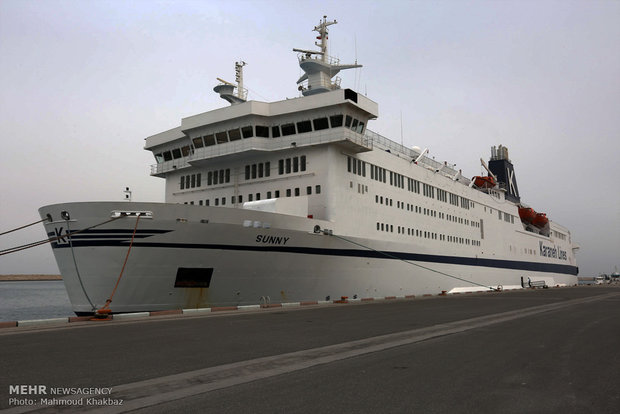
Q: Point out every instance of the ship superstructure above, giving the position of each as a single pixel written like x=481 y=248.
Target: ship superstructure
x=298 y=200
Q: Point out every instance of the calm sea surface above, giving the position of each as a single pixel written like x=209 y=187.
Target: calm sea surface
x=21 y=301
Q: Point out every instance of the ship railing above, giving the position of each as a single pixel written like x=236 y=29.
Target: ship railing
x=330 y=60
x=166 y=166
x=400 y=150
x=325 y=83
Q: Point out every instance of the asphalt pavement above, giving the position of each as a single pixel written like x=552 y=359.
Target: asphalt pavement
x=532 y=351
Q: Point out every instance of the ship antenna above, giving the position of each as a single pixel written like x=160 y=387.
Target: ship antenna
x=355 y=46
x=401 y=127
x=322 y=30
x=318 y=67
x=226 y=89
x=239 y=79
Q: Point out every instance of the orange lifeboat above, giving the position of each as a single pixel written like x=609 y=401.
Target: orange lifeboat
x=540 y=220
x=484 y=182
x=527 y=214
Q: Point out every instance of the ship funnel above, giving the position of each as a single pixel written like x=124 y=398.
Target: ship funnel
x=227 y=89
x=501 y=167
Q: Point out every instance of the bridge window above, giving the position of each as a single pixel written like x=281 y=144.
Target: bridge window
x=159 y=158
x=234 y=134
x=176 y=153
x=247 y=131
x=320 y=123
x=209 y=140
x=198 y=142
x=336 y=121
x=354 y=125
x=288 y=129
x=275 y=131
x=347 y=121
x=304 y=126
x=261 y=131
x=221 y=137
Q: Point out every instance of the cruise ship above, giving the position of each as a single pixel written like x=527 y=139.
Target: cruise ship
x=297 y=200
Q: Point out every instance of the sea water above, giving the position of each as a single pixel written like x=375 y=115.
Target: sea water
x=26 y=300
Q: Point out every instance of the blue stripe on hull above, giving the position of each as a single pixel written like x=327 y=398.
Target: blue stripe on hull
x=456 y=260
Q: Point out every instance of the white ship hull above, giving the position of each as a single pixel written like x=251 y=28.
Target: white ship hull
x=251 y=257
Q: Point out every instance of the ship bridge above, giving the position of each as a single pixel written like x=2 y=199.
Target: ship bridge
x=336 y=117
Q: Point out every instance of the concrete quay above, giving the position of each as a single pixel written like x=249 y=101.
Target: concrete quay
x=543 y=351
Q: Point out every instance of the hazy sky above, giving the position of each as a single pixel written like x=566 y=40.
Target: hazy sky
x=82 y=83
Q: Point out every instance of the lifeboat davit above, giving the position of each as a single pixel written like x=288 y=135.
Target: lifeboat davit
x=540 y=220
x=484 y=182
x=527 y=214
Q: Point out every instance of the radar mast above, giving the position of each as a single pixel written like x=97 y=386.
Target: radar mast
x=318 y=66
x=227 y=89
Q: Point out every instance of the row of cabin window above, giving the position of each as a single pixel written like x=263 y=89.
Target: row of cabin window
x=256 y=197
x=218 y=177
x=377 y=173
x=285 y=166
x=559 y=235
x=509 y=218
x=213 y=178
x=291 y=165
x=259 y=170
x=426 y=234
x=291 y=128
x=426 y=211
x=173 y=154
x=190 y=181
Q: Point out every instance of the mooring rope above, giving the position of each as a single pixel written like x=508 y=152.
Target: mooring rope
x=52 y=239
x=76 y=268
x=106 y=308
x=412 y=263
x=48 y=218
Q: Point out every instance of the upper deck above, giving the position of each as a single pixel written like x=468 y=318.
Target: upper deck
x=339 y=116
